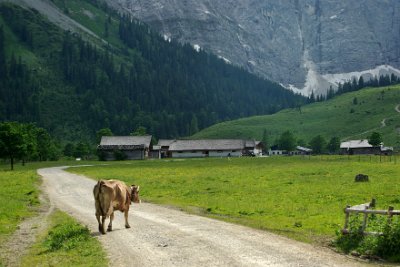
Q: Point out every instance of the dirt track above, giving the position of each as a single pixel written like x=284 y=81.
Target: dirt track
x=165 y=237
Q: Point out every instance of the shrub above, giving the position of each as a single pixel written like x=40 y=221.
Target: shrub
x=388 y=245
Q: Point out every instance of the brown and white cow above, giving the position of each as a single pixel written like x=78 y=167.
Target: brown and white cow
x=111 y=195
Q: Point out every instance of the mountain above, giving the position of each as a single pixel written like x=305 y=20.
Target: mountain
x=77 y=66
x=306 y=45
x=353 y=115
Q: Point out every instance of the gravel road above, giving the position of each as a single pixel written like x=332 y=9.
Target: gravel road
x=166 y=237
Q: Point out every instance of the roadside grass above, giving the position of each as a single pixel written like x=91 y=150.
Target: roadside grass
x=298 y=197
x=19 y=194
x=66 y=243
x=19 y=191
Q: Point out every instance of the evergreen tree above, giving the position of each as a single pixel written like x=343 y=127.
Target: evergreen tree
x=318 y=144
x=375 y=139
x=334 y=145
x=361 y=82
x=287 y=141
x=194 y=128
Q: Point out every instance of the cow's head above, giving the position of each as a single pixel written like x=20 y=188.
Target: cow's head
x=135 y=193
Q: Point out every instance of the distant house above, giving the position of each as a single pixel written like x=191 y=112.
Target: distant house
x=363 y=147
x=209 y=148
x=274 y=151
x=303 y=150
x=124 y=147
x=253 y=147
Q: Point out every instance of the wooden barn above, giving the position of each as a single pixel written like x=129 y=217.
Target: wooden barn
x=363 y=147
x=209 y=148
x=124 y=147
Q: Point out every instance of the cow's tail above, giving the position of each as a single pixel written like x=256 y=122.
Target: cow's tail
x=97 y=196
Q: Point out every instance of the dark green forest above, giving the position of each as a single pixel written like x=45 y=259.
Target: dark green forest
x=73 y=86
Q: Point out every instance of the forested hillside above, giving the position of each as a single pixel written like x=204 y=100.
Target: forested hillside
x=73 y=85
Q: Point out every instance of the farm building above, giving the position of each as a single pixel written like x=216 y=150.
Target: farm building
x=303 y=150
x=299 y=151
x=209 y=148
x=164 y=147
x=124 y=147
x=363 y=147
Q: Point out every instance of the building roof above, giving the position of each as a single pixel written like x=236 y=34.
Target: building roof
x=165 y=142
x=253 y=143
x=212 y=144
x=304 y=149
x=113 y=141
x=355 y=144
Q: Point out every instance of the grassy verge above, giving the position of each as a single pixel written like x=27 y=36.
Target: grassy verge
x=19 y=196
x=66 y=243
x=299 y=197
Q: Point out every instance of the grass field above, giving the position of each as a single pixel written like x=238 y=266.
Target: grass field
x=65 y=243
x=299 y=197
x=337 y=117
x=19 y=198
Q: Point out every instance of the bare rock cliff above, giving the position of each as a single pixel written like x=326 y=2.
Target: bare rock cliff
x=303 y=44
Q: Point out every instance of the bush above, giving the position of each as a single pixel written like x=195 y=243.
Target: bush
x=386 y=246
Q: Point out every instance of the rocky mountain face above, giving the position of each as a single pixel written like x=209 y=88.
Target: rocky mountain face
x=302 y=44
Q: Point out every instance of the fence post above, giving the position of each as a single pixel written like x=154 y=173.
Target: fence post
x=364 y=225
x=346 y=219
x=390 y=214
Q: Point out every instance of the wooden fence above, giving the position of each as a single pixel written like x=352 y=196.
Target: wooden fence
x=366 y=210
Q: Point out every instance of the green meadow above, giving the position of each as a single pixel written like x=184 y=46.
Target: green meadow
x=65 y=243
x=19 y=191
x=352 y=115
x=299 y=197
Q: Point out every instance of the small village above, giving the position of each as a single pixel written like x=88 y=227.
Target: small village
x=141 y=147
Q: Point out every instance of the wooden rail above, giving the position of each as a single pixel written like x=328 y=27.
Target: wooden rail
x=365 y=209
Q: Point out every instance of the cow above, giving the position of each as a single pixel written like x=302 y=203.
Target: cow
x=111 y=195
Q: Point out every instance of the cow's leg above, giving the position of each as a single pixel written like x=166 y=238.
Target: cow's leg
x=98 y=220
x=109 y=228
x=103 y=221
x=126 y=219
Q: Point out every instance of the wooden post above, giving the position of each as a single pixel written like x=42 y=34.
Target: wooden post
x=346 y=219
x=390 y=214
x=365 y=220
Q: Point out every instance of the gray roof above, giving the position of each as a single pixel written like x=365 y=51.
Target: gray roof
x=304 y=149
x=355 y=144
x=126 y=141
x=253 y=143
x=165 y=142
x=212 y=144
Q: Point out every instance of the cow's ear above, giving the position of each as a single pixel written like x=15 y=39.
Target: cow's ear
x=135 y=186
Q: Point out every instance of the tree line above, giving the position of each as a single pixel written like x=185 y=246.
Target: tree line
x=355 y=85
x=26 y=142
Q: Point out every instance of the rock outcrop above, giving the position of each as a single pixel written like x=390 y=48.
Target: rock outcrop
x=304 y=44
